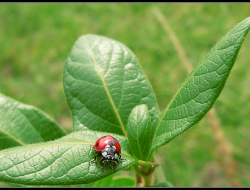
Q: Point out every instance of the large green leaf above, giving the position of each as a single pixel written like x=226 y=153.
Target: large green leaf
x=60 y=162
x=139 y=131
x=22 y=124
x=199 y=92
x=103 y=82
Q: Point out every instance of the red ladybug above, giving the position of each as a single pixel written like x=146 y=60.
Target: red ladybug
x=109 y=148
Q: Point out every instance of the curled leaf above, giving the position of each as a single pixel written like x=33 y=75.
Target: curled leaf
x=22 y=124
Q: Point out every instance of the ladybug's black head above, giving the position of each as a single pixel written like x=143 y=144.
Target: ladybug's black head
x=110 y=153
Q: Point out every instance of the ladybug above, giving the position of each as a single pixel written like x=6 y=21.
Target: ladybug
x=109 y=148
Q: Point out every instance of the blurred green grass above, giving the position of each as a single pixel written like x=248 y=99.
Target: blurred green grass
x=36 y=38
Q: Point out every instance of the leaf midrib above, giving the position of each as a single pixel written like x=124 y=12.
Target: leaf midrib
x=212 y=53
x=50 y=145
x=12 y=137
x=105 y=87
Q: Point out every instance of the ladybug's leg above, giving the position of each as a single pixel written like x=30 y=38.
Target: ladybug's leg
x=115 y=163
x=97 y=155
x=103 y=164
x=120 y=158
x=102 y=158
x=93 y=160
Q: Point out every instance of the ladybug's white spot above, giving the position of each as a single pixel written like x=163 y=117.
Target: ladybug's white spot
x=114 y=147
x=116 y=156
x=107 y=146
x=104 y=154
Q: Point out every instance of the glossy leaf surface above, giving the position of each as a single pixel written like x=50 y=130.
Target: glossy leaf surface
x=199 y=92
x=22 y=124
x=103 y=82
x=60 y=162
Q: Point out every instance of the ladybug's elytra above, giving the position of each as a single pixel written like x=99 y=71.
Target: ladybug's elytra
x=109 y=148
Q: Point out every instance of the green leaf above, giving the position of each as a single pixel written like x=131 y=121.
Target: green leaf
x=103 y=82
x=104 y=182
x=203 y=86
x=122 y=181
x=163 y=184
x=147 y=164
x=139 y=131
x=115 y=181
x=65 y=161
x=22 y=124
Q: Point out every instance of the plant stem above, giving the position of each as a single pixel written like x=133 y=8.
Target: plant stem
x=144 y=176
x=139 y=181
x=148 y=180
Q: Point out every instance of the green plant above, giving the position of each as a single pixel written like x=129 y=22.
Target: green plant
x=108 y=93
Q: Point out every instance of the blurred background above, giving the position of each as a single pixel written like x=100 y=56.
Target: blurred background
x=36 y=38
